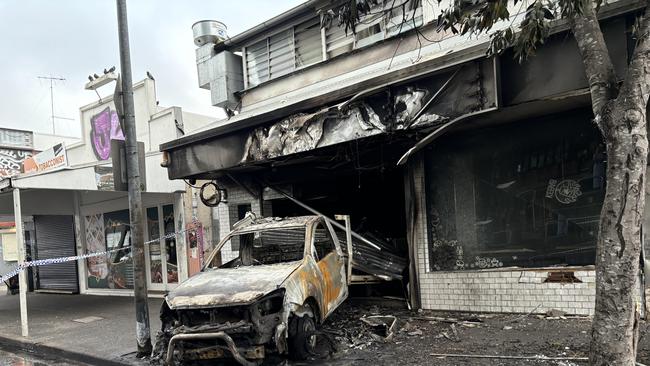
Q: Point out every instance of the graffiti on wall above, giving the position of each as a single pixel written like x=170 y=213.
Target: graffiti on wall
x=11 y=160
x=104 y=127
x=96 y=242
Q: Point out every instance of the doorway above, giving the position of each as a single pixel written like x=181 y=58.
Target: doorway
x=160 y=251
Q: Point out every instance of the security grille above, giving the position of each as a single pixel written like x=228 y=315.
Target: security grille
x=55 y=238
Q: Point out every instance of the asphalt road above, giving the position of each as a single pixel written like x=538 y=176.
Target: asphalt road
x=15 y=358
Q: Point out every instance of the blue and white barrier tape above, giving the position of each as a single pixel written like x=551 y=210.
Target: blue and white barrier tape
x=43 y=262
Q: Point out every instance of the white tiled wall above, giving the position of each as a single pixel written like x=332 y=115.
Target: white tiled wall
x=507 y=291
x=499 y=290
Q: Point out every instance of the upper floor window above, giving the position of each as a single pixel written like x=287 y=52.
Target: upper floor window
x=384 y=20
x=283 y=52
x=303 y=44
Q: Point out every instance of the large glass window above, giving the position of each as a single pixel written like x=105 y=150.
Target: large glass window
x=526 y=195
x=109 y=231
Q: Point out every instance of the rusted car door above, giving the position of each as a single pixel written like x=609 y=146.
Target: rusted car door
x=331 y=266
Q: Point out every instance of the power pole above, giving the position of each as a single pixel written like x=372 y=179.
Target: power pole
x=52 y=79
x=143 y=334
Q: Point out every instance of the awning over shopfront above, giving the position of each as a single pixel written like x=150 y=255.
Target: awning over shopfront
x=399 y=108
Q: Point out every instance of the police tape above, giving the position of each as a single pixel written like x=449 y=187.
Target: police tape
x=44 y=262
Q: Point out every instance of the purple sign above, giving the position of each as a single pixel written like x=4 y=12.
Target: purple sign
x=105 y=126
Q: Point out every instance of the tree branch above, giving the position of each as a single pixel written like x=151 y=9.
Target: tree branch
x=599 y=68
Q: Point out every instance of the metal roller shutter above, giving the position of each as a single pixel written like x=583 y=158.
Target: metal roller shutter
x=55 y=238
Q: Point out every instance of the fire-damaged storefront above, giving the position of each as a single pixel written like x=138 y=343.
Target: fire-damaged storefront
x=337 y=159
x=525 y=195
x=479 y=181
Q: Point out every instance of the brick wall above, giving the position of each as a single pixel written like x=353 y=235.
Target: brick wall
x=497 y=290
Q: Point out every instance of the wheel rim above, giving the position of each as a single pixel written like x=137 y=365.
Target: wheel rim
x=309 y=329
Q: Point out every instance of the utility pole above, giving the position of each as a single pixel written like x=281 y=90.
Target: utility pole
x=143 y=334
x=52 y=79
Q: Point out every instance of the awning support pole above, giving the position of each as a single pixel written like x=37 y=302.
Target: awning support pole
x=22 y=257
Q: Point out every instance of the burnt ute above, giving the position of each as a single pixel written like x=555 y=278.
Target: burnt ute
x=289 y=275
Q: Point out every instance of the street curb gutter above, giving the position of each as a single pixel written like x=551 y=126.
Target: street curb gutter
x=44 y=350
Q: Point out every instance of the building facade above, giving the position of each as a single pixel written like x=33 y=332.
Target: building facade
x=16 y=147
x=487 y=174
x=75 y=197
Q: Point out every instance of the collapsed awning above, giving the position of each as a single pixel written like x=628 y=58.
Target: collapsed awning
x=400 y=107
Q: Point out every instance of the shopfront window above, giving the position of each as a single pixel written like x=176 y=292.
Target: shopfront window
x=170 y=244
x=526 y=195
x=118 y=235
x=155 y=256
x=109 y=231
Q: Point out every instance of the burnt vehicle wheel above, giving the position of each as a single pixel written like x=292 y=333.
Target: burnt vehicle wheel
x=302 y=337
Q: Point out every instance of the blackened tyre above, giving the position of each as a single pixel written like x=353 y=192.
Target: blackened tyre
x=302 y=337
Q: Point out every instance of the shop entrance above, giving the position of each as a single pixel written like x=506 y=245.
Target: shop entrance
x=374 y=199
x=162 y=260
x=359 y=180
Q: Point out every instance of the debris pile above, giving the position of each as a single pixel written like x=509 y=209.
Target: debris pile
x=358 y=329
x=387 y=335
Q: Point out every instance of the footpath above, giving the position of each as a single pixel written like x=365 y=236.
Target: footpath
x=98 y=330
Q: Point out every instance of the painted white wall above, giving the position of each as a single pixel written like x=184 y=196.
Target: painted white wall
x=43 y=141
x=193 y=121
x=163 y=128
x=154 y=126
x=80 y=179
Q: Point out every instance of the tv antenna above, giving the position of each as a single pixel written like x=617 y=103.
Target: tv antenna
x=53 y=79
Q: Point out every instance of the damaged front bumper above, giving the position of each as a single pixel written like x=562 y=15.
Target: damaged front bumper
x=240 y=332
x=241 y=355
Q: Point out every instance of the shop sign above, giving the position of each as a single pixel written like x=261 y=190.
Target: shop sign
x=50 y=159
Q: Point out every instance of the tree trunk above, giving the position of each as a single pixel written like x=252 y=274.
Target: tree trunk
x=622 y=121
x=615 y=324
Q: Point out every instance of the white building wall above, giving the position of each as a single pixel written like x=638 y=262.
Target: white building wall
x=43 y=141
x=496 y=290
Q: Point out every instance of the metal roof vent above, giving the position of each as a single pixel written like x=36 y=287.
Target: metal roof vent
x=209 y=31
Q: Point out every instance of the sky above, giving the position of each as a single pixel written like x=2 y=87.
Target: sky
x=72 y=39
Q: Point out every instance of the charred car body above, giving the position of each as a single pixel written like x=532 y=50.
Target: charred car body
x=289 y=276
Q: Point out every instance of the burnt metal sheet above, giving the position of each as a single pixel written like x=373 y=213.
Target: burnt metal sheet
x=206 y=156
x=392 y=109
x=270 y=223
